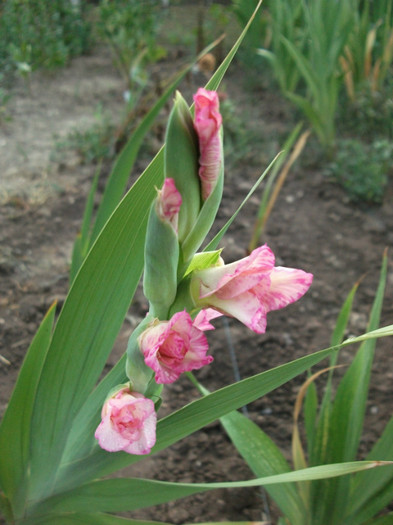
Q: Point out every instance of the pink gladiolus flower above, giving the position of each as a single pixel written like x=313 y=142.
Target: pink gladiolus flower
x=176 y=346
x=128 y=423
x=207 y=124
x=248 y=289
x=168 y=203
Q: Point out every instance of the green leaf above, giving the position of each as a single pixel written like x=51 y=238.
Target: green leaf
x=371 y=493
x=265 y=459
x=15 y=427
x=347 y=415
x=120 y=173
x=82 y=518
x=321 y=437
x=382 y=520
x=203 y=260
x=90 y=320
x=217 y=238
x=304 y=67
x=79 y=518
x=188 y=419
x=122 y=494
x=82 y=242
x=350 y=401
x=87 y=327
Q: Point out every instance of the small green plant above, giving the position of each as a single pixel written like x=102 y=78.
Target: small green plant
x=287 y=24
x=370 y=115
x=275 y=180
x=130 y=29
x=333 y=429
x=368 y=54
x=37 y=34
x=93 y=144
x=5 y=97
x=362 y=169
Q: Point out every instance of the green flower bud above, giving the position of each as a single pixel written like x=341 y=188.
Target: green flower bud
x=181 y=163
x=162 y=250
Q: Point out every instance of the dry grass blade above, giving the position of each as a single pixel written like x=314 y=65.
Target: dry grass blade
x=298 y=148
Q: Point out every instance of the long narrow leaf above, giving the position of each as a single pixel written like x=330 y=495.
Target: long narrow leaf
x=318 y=444
x=120 y=173
x=196 y=415
x=87 y=327
x=86 y=518
x=368 y=491
x=265 y=459
x=91 y=318
x=122 y=494
x=15 y=428
x=82 y=242
x=347 y=416
x=217 y=238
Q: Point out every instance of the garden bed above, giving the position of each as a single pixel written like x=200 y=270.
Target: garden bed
x=314 y=226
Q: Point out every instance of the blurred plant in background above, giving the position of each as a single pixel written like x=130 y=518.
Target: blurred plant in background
x=363 y=169
x=333 y=61
x=36 y=34
x=94 y=143
x=368 y=53
x=130 y=29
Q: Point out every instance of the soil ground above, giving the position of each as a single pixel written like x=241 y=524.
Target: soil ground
x=313 y=226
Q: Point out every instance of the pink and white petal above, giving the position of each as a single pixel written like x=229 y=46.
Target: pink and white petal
x=163 y=374
x=180 y=322
x=153 y=337
x=287 y=286
x=236 y=278
x=201 y=321
x=147 y=439
x=196 y=356
x=247 y=308
x=108 y=438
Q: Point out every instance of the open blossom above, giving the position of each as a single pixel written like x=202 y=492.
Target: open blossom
x=176 y=346
x=248 y=289
x=128 y=423
x=207 y=124
x=168 y=203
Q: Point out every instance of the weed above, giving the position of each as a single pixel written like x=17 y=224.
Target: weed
x=130 y=29
x=93 y=144
x=362 y=169
x=36 y=34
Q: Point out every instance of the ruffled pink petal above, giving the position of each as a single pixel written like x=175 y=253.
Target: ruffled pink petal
x=175 y=346
x=147 y=439
x=168 y=203
x=287 y=286
x=128 y=423
x=196 y=356
x=201 y=321
x=207 y=125
x=108 y=438
x=181 y=322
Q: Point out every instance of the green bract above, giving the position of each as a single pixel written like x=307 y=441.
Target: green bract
x=161 y=261
x=181 y=163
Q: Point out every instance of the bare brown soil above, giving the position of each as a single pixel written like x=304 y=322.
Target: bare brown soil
x=314 y=226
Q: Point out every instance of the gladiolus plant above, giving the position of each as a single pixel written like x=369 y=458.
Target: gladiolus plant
x=68 y=427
